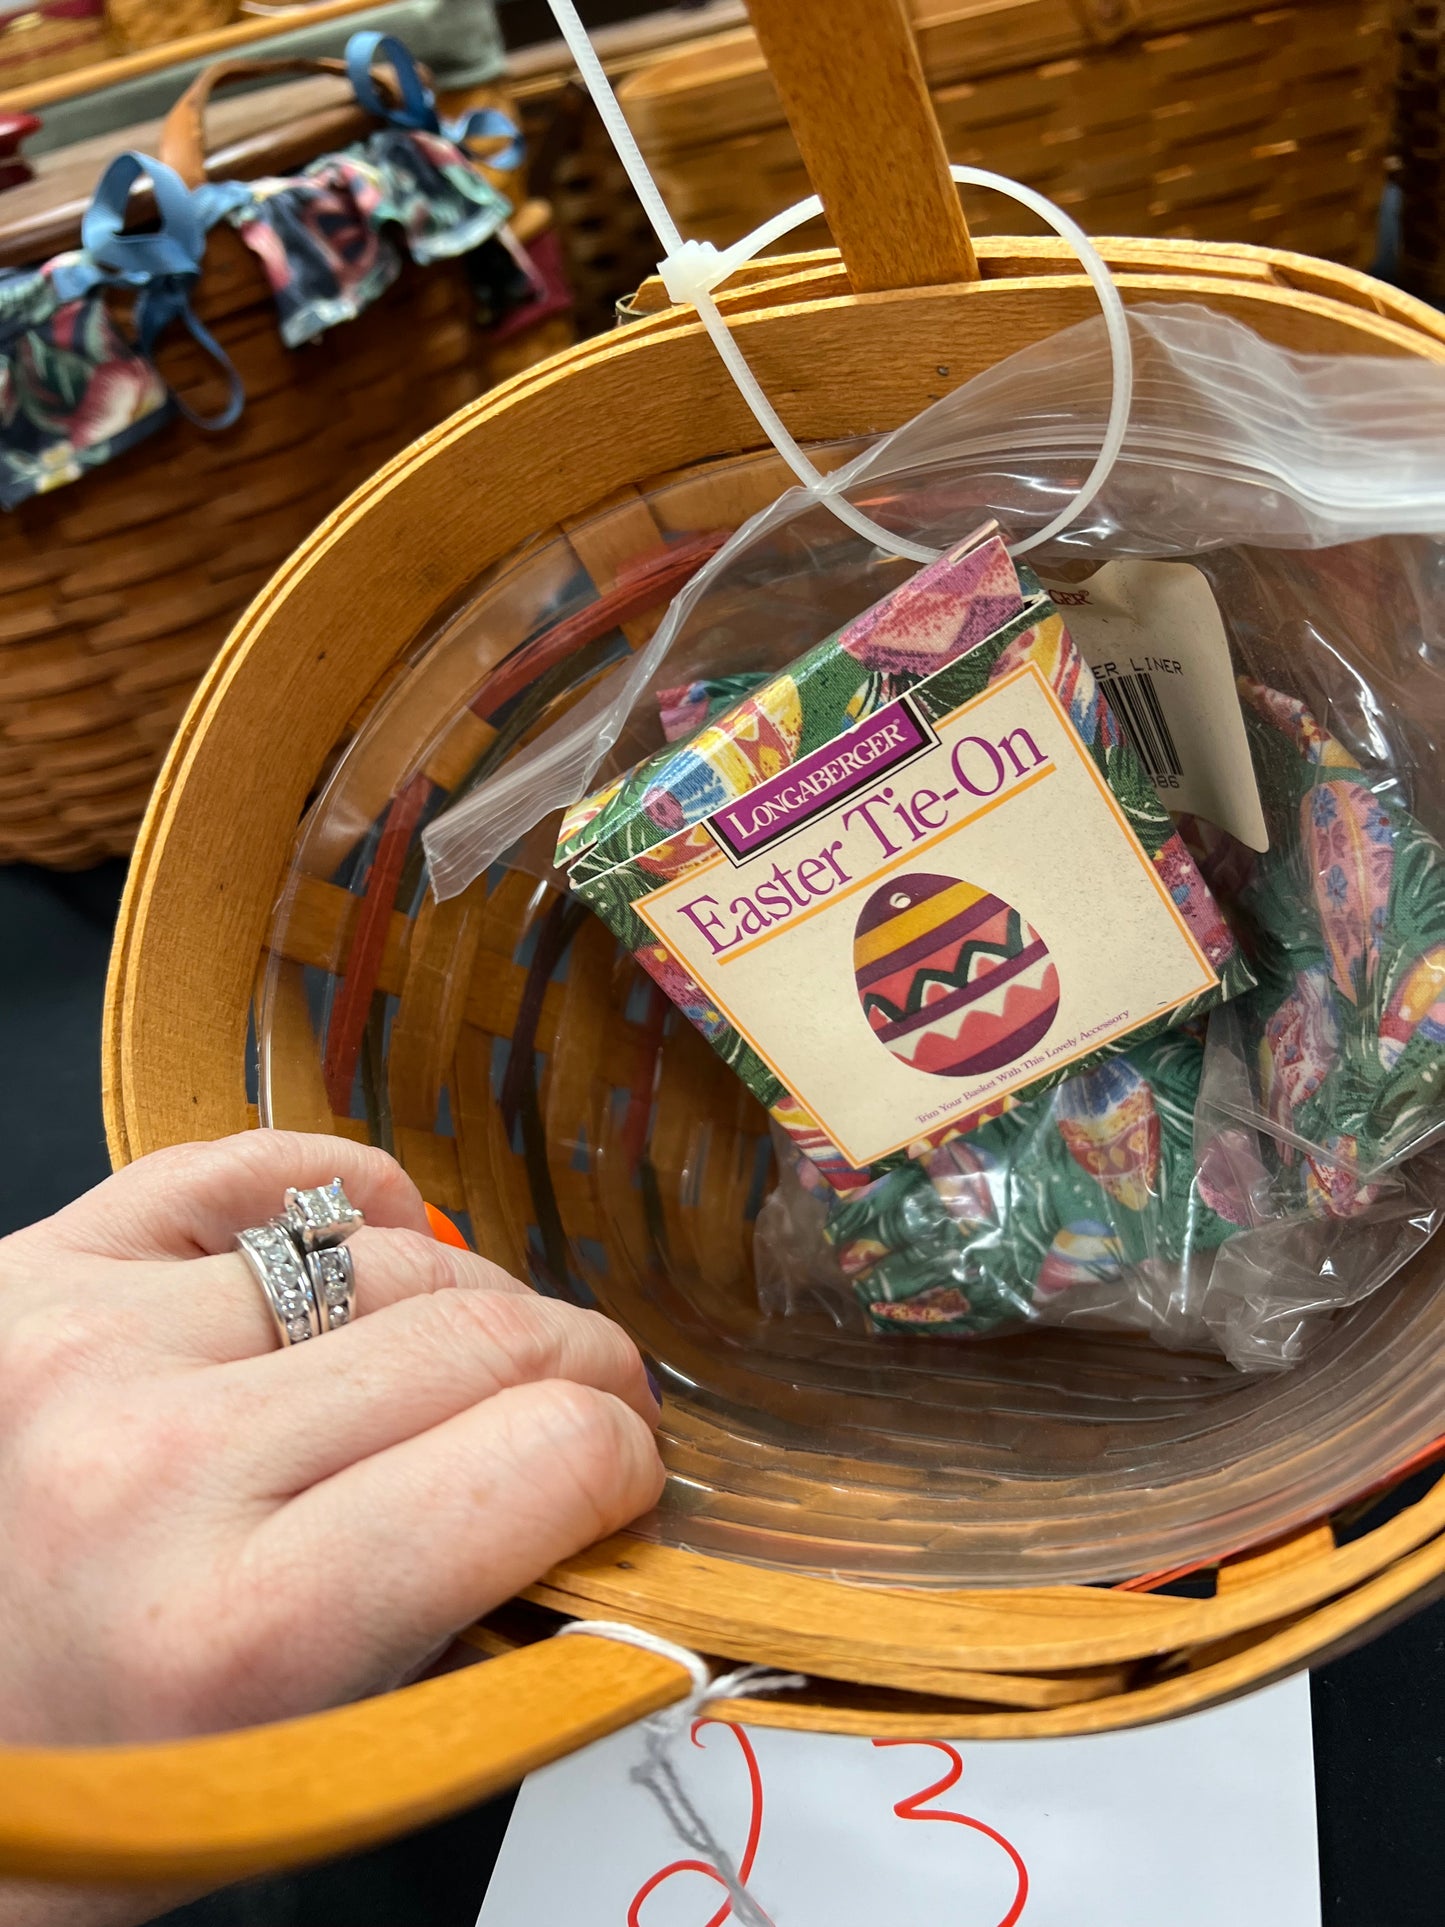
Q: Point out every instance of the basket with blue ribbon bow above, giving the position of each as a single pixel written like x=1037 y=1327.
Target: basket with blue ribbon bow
x=222 y=314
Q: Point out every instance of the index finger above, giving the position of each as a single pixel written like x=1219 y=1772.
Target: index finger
x=190 y=1201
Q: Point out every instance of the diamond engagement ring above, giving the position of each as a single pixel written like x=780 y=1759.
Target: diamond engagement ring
x=322 y=1218
x=306 y=1278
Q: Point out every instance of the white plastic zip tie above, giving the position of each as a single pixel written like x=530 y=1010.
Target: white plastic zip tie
x=657 y=1771
x=691 y=270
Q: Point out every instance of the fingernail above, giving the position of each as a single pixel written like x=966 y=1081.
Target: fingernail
x=652 y=1383
x=443 y=1230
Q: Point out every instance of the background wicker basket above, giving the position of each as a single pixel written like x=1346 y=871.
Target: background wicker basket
x=41 y=40
x=1205 y=119
x=149 y=23
x=117 y=591
x=1420 y=147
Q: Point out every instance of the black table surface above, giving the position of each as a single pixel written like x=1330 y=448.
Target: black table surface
x=1379 y=1714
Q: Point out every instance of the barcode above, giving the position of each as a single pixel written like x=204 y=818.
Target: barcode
x=1135 y=702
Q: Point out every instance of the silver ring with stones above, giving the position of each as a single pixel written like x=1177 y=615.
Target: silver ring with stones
x=279 y=1270
x=333 y=1280
x=321 y=1218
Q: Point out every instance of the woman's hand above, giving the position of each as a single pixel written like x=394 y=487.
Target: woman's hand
x=198 y=1530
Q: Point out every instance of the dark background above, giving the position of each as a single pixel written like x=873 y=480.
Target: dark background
x=1379 y=1715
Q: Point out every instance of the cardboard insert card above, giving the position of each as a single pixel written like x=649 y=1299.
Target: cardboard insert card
x=913 y=876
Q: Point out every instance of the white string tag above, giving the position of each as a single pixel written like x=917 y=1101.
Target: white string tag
x=657 y=1770
x=1192 y=1822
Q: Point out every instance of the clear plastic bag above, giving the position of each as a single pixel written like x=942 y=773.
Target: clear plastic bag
x=1257 y=1178
x=1231 y=441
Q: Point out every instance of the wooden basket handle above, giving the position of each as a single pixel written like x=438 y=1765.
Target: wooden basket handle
x=183 y=133
x=217 y=1809
x=853 y=90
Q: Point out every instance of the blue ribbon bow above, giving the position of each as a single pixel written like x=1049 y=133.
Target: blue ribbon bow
x=163 y=266
x=418 y=110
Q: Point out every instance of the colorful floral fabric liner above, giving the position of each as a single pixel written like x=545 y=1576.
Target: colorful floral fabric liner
x=74 y=393
x=1344 y=923
x=331 y=237
x=957 y=625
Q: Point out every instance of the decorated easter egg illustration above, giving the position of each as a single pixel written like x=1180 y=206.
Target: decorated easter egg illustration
x=951 y=977
x=1108 y=1120
x=1083 y=1253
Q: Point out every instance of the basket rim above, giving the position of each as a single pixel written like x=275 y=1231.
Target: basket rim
x=197 y=904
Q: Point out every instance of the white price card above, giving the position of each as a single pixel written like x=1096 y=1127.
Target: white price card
x=1205 y=1820
x=1153 y=634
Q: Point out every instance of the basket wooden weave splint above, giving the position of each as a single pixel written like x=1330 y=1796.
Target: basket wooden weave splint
x=1419 y=157
x=850 y=347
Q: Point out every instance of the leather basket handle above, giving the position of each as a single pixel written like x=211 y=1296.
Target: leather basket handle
x=183 y=135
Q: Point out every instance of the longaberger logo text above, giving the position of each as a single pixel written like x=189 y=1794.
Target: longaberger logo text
x=884 y=741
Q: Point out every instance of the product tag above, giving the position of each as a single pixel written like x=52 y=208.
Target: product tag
x=911 y=876
x=1153 y=636
x=930 y=994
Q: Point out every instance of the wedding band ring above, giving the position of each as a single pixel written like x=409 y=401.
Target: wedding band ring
x=277 y=1267
x=333 y=1281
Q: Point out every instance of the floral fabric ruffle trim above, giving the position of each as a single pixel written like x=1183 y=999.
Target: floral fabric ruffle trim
x=327 y=237
x=73 y=392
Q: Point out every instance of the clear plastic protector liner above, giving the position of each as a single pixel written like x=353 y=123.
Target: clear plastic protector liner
x=1227 y=1196
x=607 y=1155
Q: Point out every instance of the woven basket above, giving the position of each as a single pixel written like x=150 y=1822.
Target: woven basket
x=38 y=42
x=1420 y=147
x=151 y=23
x=101 y=64
x=606 y=238
x=336 y=632
x=1205 y=119
x=117 y=591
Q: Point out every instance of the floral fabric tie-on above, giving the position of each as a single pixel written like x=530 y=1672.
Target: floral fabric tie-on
x=73 y=392
x=326 y=236
x=1343 y=920
x=962 y=624
x=1123 y=1171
